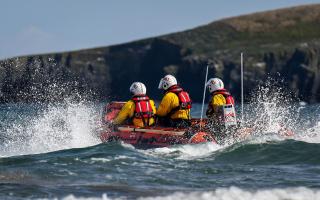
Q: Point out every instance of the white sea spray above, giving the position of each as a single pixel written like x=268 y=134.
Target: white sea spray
x=55 y=127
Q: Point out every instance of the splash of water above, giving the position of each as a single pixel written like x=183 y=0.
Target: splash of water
x=273 y=109
x=67 y=120
x=270 y=108
x=53 y=127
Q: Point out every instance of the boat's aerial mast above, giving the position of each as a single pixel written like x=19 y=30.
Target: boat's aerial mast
x=242 y=97
x=204 y=95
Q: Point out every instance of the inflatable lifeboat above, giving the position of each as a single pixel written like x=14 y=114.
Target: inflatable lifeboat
x=149 y=137
x=157 y=136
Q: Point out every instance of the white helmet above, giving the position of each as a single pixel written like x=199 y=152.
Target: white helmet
x=167 y=81
x=138 y=88
x=215 y=84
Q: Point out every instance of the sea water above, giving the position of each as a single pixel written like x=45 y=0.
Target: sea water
x=52 y=151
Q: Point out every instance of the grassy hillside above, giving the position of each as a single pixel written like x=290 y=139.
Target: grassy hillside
x=254 y=33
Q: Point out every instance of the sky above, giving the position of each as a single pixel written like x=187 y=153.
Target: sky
x=43 y=26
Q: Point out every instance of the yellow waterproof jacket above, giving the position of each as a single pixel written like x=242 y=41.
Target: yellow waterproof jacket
x=215 y=104
x=127 y=112
x=169 y=102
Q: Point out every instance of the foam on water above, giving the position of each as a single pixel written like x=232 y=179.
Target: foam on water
x=310 y=135
x=234 y=193
x=184 y=152
x=308 y=126
x=57 y=127
x=231 y=193
x=103 y=197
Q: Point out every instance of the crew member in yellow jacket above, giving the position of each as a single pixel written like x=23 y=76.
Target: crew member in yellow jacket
x=174 y=108
x=139 y=110
x=220 y=97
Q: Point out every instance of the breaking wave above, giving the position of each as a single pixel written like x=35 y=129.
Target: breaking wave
x=235 y=193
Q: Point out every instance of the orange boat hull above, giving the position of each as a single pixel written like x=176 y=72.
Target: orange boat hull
x=155 y=137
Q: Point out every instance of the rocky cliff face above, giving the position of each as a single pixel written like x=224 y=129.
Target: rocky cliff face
x=289 y=48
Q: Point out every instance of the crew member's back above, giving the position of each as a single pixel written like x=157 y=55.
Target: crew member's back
x=139 y=110
x=174 y=108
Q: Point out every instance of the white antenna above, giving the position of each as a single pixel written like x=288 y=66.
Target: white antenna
x=242 y=98
x=204 y=94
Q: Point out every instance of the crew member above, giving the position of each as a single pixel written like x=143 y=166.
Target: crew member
x=139 y=110
x=174 y=109
x=219 y=98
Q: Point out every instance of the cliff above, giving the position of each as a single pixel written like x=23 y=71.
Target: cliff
x=281 y=43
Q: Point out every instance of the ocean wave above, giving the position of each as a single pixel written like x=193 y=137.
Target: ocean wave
x=231 y=193
x=273 y=152
x=235 y=193
x=260 y=151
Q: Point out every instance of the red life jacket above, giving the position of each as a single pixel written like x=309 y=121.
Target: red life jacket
x=184 y=98
x=226 y=94
x=143 y=109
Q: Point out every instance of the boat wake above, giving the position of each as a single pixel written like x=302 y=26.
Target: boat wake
x=185 y=152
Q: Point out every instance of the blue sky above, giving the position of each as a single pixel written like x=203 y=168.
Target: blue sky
x=40 y=26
